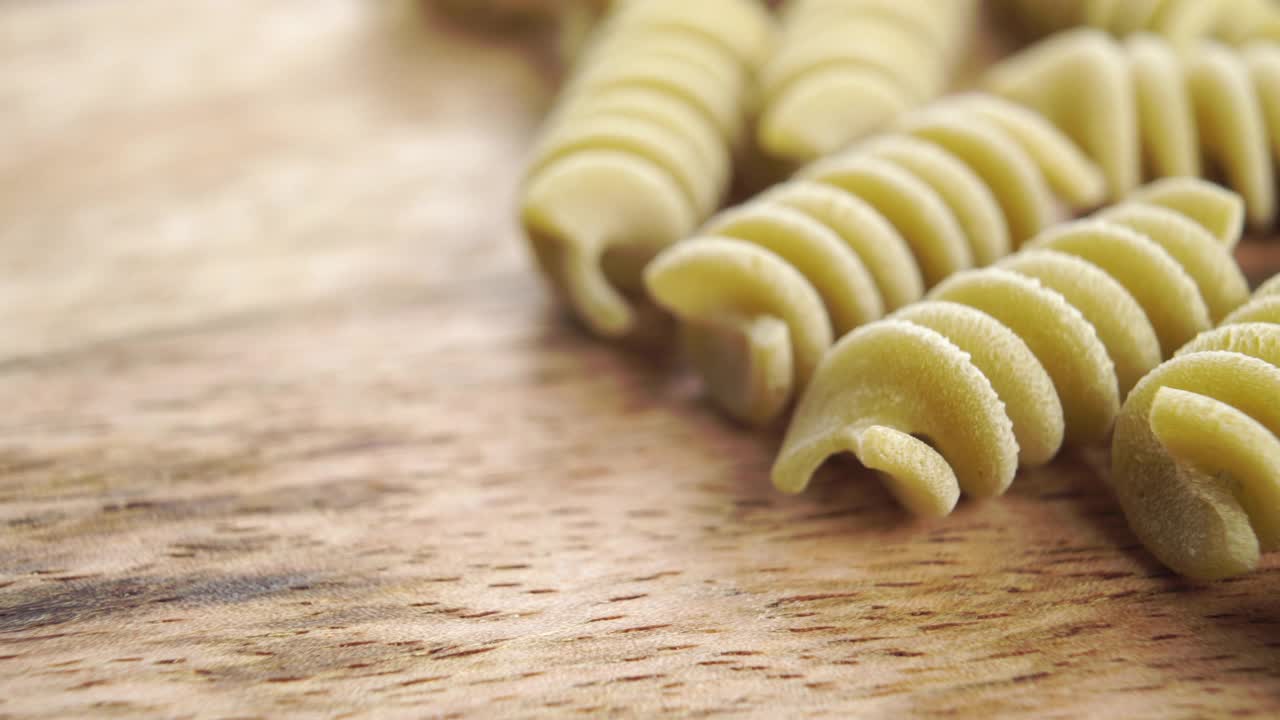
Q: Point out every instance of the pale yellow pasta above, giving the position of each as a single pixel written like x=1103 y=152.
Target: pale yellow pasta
x=1000 y=366
x=846 y=68
x=1142 y=106
x=859 y=234
x=743 y=28
x=638 y=149
x=1196 y=457
x=1219 y=210
x=1181 y=21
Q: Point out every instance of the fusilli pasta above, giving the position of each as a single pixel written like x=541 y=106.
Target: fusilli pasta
x=1000 y=366
x=1141 y=103
x=846 y=68
x=1196 y=453
x=638 y=149
x=764 y=288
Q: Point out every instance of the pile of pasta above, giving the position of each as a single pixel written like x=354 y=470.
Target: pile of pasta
x=846 y=68
x=763 y=289
x=1232 y=21
x=669 y=96
x=920 y=290
x=1142 y=104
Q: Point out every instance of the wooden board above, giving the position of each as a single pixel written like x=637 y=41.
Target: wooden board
x=290 y=427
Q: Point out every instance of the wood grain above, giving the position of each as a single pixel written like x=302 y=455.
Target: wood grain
x=291 y=428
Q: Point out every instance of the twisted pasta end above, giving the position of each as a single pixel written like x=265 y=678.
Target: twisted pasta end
x=1221 y=442
x=1196 y=454
x=592 y=220
x=577 y=273
x=754 y=327
x=638 y=148
x=913 y=471
x=795 y=465
x=746 y=363
x=882 y=389
x=916 y=474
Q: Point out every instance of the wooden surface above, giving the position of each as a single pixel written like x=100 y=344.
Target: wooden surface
x=290 y=426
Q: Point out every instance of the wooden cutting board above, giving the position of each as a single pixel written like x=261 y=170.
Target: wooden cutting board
x=290 y=426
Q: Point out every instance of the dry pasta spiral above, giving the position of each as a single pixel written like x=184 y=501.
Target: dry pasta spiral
x=1231 y=21
x=1196 y=452
x=764 y=288
x=1143 y=104
x=845 y=68
x=1001 y=365
x=637 y=150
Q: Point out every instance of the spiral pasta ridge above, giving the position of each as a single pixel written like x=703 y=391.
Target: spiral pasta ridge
x=846 y=68
x=1230 y=21
x=1142 y=104
x=1000 y=366
x=1196 y=452
x=638 y=148
x=764 y=288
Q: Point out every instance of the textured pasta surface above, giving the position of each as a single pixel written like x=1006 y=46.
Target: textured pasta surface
x=846 y=68
x=1142 y=106
x=1196 y=453
x=1231 y=21
x=638 y=149
x=763 y=289
x=1000 y=366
